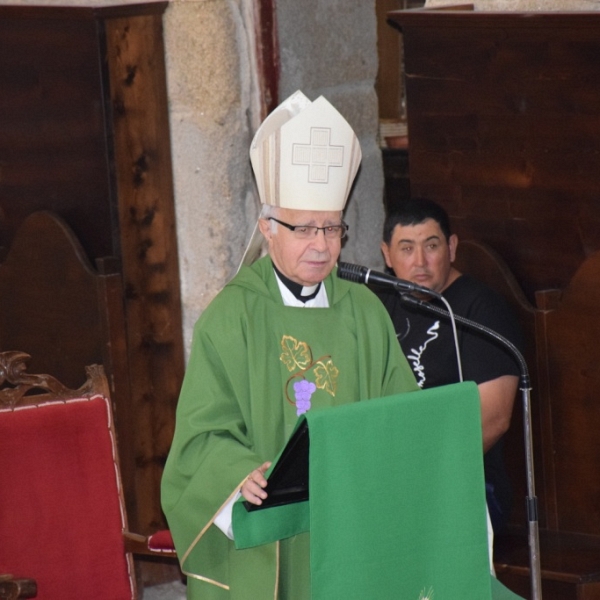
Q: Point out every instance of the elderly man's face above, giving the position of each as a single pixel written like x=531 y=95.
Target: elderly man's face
x=305 y=261
x=421 y=254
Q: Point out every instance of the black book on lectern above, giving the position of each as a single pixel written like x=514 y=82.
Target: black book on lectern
x=288 y=481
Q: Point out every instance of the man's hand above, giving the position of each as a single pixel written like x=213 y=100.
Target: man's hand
x=253 y=488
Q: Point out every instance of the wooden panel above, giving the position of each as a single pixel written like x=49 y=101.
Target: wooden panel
x=57 y=319
x=388 y=84
x=569 y=565
x=397 y=182
x=504 y=118
x=485 y=264
x=572 y=332
x=135 y=55
x=551 y=590
x=53 y=146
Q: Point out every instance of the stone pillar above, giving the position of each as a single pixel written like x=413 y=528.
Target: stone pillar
x=210 y=80
x=329 y=48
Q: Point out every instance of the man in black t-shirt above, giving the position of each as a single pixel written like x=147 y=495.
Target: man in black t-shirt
x=418 y=246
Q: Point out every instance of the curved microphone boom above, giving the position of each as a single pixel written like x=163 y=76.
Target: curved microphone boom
x=360 y=274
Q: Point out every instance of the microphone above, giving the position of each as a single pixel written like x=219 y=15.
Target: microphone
x=360 y=274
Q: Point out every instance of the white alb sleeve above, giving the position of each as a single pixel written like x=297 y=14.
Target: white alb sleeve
x=223 y=519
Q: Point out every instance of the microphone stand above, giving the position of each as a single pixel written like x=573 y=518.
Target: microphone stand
x=525 y=388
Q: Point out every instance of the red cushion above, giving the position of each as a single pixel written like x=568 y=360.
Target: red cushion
x=161 y=541
x=61 y=520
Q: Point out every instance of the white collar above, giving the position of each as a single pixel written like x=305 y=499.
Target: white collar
x=319 y=301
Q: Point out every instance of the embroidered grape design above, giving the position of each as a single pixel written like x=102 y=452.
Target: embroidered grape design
x=297 y=356
x=303 y=390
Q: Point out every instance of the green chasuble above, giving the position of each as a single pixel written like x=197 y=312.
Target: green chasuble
x=250 y=357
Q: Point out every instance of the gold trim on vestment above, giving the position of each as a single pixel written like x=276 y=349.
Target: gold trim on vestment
x=276 y=591
x=201 y=534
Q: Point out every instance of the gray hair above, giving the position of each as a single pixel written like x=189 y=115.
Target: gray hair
x=267 y=211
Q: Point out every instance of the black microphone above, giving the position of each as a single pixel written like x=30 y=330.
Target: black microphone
x=360 y=274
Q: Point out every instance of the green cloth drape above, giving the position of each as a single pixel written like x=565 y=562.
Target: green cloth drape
x=397 y=500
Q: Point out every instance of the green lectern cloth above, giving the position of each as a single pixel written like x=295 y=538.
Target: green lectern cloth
x=397 y=500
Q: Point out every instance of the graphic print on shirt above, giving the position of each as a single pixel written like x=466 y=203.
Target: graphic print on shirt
x=414 y=357
x=426 y=595
x=297 y=357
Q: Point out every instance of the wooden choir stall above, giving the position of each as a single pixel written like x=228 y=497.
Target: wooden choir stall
x=504 y=130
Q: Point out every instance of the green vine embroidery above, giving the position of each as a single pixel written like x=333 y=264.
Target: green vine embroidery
x=298 y=359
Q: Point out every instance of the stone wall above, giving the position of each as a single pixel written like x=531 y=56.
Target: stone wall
x=329 y=47
x=209 y=47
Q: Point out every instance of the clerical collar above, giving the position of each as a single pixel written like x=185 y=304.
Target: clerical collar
x=304 y=294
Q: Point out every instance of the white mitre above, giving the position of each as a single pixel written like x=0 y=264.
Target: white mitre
x=305 y=156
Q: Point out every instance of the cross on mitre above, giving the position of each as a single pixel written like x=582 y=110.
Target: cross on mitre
x=319 y=155
x=305 y=156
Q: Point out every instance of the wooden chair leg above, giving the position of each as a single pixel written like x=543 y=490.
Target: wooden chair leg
x=15 y=589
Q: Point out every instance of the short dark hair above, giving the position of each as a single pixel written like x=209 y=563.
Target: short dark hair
x=414 y=212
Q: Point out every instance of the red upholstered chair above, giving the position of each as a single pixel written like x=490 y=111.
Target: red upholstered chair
x=62 y=514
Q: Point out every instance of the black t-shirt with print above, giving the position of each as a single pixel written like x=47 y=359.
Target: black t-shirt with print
x=427 y=341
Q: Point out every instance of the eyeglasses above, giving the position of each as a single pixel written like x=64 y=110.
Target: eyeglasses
x=304 y=232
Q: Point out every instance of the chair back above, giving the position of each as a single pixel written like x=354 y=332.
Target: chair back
x=484 y=263
x=62 y=512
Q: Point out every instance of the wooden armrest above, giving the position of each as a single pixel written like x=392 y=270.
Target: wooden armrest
x=566 y=557
x=14 y=589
